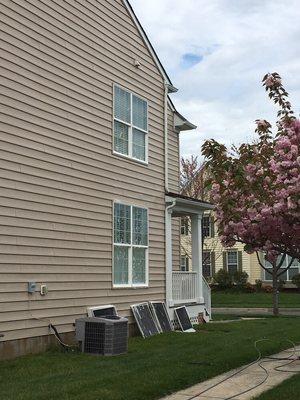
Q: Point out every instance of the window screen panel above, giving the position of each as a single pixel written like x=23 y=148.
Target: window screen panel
x=122 y=223
x=139 y=113
x=138 y=144
x=283 y=277
x=139 y=226
x=121 y=144
x=138 y=265
x=268 y=275
x=121 y=265
x=295 y=262
x=292 y=272
x=232 y=257
x=122 y=105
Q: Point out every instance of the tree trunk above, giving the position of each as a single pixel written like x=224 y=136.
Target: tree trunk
x=275 y=293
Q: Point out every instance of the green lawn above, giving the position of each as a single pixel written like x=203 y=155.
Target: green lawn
x=287 y=390
x=264 y=300
x=153 y=367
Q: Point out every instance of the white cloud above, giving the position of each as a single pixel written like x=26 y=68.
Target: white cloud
x=240 y=40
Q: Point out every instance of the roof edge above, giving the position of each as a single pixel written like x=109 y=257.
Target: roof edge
x=171 y=87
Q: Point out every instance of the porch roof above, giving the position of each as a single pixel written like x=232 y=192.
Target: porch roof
x=184 y=205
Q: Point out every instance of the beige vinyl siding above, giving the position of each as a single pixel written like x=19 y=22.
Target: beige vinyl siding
x=58 y=175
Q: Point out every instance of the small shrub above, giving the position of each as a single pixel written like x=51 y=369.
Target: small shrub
x=268 y=289
x=258 y=285
x=223 y=279
x=296 y=280
x=240 y=278
x=248 y=288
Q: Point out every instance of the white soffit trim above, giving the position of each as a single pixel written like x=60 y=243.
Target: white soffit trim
x=171 y=88
x=180 y=123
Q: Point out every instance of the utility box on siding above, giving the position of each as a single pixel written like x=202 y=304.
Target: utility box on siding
x=102 y=336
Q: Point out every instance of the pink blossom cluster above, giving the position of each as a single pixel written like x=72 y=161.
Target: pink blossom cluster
x=262 y=209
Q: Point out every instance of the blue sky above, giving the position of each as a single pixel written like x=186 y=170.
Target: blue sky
x=216 y=52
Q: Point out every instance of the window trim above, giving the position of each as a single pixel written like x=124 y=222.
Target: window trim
x=131 y=127
x=130 y=285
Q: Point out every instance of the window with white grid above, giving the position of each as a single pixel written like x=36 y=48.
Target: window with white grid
x=130 y=246
x=232 y=261
x=130 y=125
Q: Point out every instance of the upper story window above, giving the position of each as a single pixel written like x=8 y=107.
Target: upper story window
x=130 y=125
x=206 y=226
x=130 y=245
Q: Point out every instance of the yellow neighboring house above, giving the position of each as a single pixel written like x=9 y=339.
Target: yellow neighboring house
x=215 y=255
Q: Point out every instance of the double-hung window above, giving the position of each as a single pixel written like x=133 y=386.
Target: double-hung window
x=130 y=246
x=130 y=125
x=232 y=261
x=206 y=231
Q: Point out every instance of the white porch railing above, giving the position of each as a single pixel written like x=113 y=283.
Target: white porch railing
x=185 y=288
x=207 y=295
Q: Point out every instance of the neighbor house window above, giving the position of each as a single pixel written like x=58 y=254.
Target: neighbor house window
x=184 y=263
x=184 y=230
x=232 y=261
x=130 y=125
x=206 y=257
x=287 y=275
x=130 y=245
x=206 y=226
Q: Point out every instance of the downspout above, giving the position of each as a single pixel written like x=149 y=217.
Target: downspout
x=166 y=136
x=168 y=250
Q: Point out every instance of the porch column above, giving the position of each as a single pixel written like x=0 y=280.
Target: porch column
x=169 y=261
x=196 y=225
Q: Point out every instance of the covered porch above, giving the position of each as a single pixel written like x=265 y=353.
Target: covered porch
x=186 y=287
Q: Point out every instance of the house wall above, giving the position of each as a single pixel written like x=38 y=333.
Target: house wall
x=58 y=175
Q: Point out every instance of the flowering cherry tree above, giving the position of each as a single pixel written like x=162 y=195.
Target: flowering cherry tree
x=256 y=188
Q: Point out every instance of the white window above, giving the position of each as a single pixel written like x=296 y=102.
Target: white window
x=232 y=261
x=207 y=272
x=130 y=125
x=206 y=226
x=130 y=246
x=287 y=275
x=184 y=228
x=184 y=263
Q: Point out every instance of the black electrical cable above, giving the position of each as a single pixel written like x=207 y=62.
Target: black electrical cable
x=57 y=336
x=259 y=361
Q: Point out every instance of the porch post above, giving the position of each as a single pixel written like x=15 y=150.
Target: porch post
x=196 y=225
x=169 y=261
